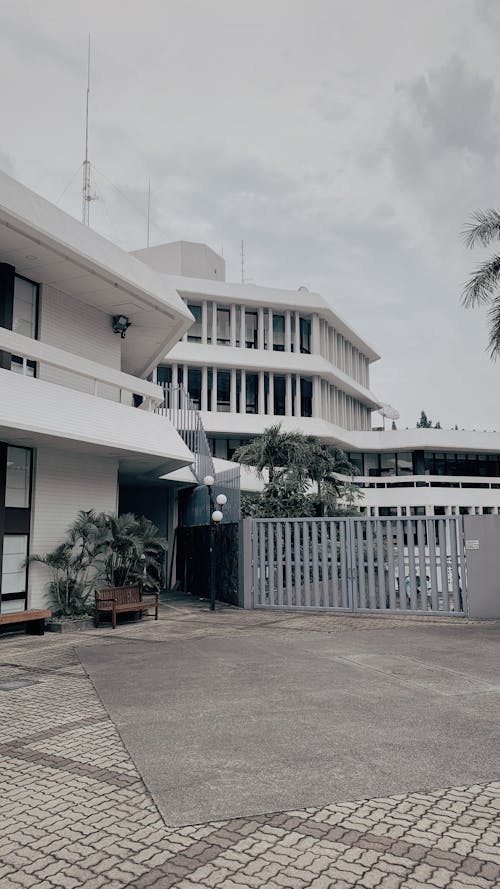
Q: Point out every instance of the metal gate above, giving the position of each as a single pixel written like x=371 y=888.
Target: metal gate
x=412 y=565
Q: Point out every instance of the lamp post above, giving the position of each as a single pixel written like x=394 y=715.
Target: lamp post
x=215 y=518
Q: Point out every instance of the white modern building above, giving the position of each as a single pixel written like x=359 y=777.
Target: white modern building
x=258 y=355
x=77 y=413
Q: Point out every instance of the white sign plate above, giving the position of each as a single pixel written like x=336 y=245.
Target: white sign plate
x=472 y=544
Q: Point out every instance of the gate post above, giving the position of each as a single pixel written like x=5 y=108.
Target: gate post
x=245 y=598
x=482 y=544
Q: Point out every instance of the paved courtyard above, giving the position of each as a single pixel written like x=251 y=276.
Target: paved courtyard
x=78 y=811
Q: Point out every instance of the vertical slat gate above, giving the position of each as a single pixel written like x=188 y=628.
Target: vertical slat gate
x=409 y=564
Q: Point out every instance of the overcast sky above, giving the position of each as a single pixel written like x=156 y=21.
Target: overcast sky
x=346 y=141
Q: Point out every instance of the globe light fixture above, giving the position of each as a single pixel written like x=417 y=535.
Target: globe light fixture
x=208 y=481
x=217 y=516
x=221 y=499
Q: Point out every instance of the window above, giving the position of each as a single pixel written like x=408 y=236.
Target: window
x=223 y=390
x=194 y=332
x=405 y=463
x=305 y=336
x=279 y=333
x=252 y=394
x=372 y=464
x=25 y=307
x=17 y=482
x=306 y=397
x=279 y=395
x=15 y=551
x=223 y=327
x=194 y=385
x=388 y=464
x=233 y=444
x=164 y=375
x=251 y=330
x=357 y=461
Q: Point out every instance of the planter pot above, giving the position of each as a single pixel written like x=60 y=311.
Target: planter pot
x=69 y=624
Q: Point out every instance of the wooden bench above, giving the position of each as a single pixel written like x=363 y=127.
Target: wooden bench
x=34 y=620
x=120 y=599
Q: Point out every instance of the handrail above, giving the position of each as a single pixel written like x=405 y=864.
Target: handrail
x=35 y=350
x=184 y=416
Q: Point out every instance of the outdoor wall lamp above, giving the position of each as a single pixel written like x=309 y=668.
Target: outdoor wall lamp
x=120 y=324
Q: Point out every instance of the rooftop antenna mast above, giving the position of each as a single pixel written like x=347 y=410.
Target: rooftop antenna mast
x=242 y=262
x=149 y=210
x=86 y=193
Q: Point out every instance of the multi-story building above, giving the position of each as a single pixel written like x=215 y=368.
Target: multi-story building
x=258 y=355
x=77 y=413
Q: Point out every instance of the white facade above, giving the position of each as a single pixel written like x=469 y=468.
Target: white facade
x=256 y=356
x=76 y=410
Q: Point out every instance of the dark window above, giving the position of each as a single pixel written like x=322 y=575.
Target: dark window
x=232 y=445
x=405 y=463
x=251 y=330
x=305 y=336
x=164 y=375
x=357 y=461
x=306 y=397
x=372 y=464
x=388 y=511
x=279 y=395
x=223 y=390
x=252 y=393
x=279 y=333
x=194 y=384
x=194 y=332
x=223 y=327
x=388 y=464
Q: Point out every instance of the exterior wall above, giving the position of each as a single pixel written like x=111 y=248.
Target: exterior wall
x=64 y=483
x=81 y=329
x=185 y=258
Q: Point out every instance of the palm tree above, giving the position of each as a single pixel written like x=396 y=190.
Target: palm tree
x=483 y=286
x=133 y=550
x=274 y=450
x=324 y=464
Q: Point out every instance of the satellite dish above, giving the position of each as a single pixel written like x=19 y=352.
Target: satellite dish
x=387 y=411
x=303 y=288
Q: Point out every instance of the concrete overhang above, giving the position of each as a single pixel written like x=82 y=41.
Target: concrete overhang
x=50 y=247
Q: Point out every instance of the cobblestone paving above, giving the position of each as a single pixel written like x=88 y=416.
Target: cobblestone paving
x=75 y=812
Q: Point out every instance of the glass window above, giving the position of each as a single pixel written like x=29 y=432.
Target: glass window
x=279 y=333
x=194 y=384
x=233 y=444
x=194 y=332
x=251 y=330
x=306 y=397
x=221 y=448
x=305 y=336
x=15 y=551
x=371 y=464
x=223 y=327
x=25 y=304
x=164 y=375
x=357 y=461
x=223 y=390
x=252 y=393
x=405 y=463
x=388 y=464
x=17 y=484
x=279 y=395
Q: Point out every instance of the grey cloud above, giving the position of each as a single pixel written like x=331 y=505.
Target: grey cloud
x=328 y=104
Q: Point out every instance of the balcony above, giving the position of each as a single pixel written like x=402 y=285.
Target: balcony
x=54 y=411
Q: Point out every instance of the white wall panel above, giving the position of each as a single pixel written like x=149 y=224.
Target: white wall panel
x=63 y=484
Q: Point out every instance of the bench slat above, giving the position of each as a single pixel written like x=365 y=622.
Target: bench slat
x=16 y=617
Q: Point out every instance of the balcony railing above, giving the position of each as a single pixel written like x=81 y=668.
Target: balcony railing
x=124 y=385
x=427 y=481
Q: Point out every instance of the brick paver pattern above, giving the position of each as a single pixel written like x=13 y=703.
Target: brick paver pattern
x=76 y=814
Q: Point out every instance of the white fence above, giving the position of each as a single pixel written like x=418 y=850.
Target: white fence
x=412 y=565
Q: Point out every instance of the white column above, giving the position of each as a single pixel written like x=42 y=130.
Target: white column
x=242 y=327
x=204 y=388
x=214 y=324
x=232 y=324
x=185 y=377
x=270 y=402
x=288 y=396
x=243 y=392
x=213 y=400
x=296 y=345
x=262 y=395
x=298 y=399
x=260 y=328
x=270 y=336
x=204 y=322
x=288 y=331
x=315 y=344
x=316 y=397
x=232 y=398
x=175 y=375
